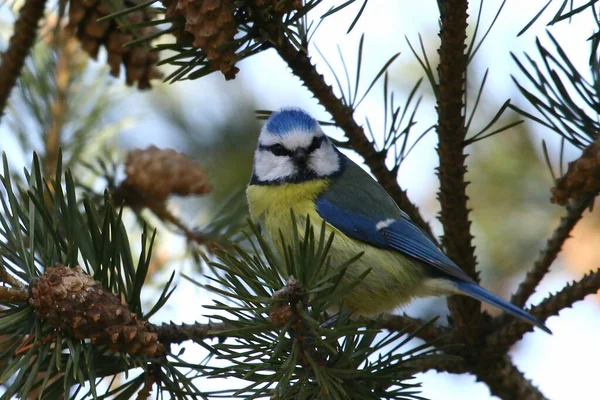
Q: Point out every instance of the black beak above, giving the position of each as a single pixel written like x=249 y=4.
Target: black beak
x=300 y=156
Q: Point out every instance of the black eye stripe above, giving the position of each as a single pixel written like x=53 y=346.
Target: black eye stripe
x=315 y=144
x=276 y=149
x=280 y=150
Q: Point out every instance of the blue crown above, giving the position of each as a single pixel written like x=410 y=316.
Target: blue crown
x=287 y=119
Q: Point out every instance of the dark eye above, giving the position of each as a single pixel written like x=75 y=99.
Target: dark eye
x=278 y=150
x=315 y=144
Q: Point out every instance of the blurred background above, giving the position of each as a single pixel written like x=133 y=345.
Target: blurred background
x=214 y=122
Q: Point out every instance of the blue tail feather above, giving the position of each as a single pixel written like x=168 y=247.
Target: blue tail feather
x=479 y=293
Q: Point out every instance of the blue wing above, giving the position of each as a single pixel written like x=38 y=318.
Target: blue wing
x=403 y=236
x=360 y=208
x=399 y=234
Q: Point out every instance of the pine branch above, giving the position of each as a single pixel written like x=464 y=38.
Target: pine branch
x=412 y=325
x=452 y=366
x=13 y=295
x=552 y=305
x=507 y=382
x=566 y=101
x=575 y=210
x=146 y=391
x=45 y=228
x=167 y=333
x=60 y=104
x=451 y=131
x=173 y=333
x=283 y=343
x=19 y=46
x=582 y=177
x=161 y=211
x=301 y=66
x=175 y=173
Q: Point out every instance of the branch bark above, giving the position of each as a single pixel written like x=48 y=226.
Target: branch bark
x=173 y=333
x=452 y=131
x=19 y=46
x=507 y=382
x=397 y=323
x=452 y=366
x=575 y=210
x=511 y=333
x=13 y=295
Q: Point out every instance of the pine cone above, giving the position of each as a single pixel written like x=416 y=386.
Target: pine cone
x=139 y=62
x=583 y=176
x=212 y=25
x=158 y=173
x=281 y=315
x=74 y=302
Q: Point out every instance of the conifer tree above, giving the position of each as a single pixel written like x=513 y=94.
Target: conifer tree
x=78 y=227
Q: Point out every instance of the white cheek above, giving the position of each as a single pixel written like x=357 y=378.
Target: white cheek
x=324 y=161
x=269 y=167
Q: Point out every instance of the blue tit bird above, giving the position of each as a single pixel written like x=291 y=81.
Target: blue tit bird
x=296 y=167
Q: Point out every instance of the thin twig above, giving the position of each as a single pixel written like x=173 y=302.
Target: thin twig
x=146 y=391
x=570 y=294
x=13 y=295
x=173 y=333
x=30 y=341
x=436 y=363
x=507 y=382
x=19 y=46
x=342 y=114
x=128 y=195
x=452 y=131
x=161 y=211
x=404 y=322
x=575 y=210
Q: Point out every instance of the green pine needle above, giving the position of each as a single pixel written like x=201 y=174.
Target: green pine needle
x=294 y=355
x=42 y=223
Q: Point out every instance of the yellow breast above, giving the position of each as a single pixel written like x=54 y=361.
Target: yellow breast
x=393 y=279
x=270 y=205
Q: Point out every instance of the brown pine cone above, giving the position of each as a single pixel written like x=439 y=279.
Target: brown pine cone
x=212 y=26
x=158 y=173
x=139 y=62
x=281 y=315
x=75 y=303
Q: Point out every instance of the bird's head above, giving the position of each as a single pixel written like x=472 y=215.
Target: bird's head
x=292 y=148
